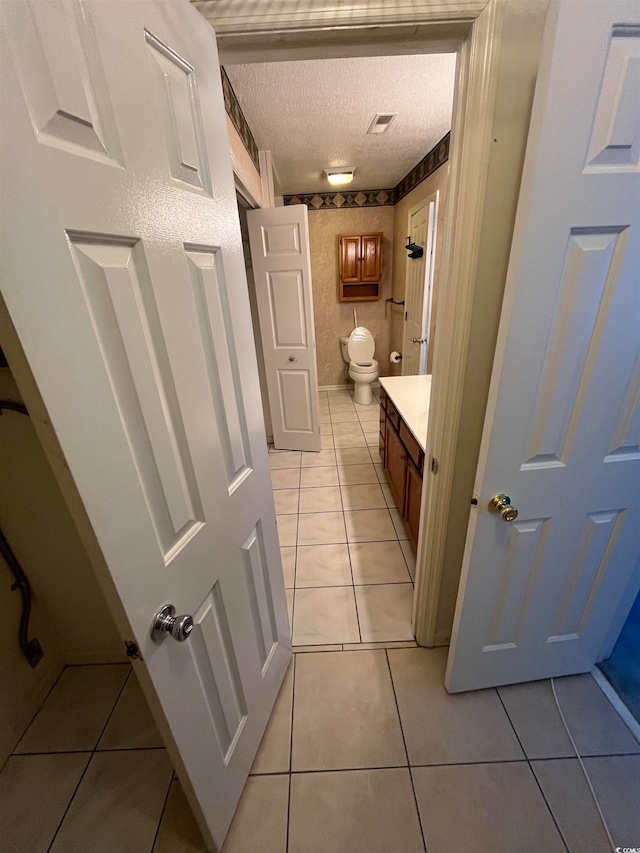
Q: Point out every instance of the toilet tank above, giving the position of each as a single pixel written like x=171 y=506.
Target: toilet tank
x=343 y=349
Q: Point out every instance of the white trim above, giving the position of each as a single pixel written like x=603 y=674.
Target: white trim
x=623 y=712
x=432 y=199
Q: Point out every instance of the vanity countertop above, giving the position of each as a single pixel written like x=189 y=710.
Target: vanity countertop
x=410 y=396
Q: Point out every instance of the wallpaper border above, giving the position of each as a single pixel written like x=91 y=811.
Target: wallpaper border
x=438 y=155
x=234 y=111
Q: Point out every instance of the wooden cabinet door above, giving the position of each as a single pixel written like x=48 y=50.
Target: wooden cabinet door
x=371 y=257
x=350 y=258
x=396 y=458
x=412 y=500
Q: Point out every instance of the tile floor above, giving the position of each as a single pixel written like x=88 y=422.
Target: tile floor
x=347 y=562
x=365 y=752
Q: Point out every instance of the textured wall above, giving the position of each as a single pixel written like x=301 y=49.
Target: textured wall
x=334 y=318
x=439 y=180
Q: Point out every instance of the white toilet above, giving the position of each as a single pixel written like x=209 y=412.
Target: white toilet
x=357 y=352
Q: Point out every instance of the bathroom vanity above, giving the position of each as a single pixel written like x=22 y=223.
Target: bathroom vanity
x=404 y=412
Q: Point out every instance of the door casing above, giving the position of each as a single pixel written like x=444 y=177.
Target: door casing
x=474 y=30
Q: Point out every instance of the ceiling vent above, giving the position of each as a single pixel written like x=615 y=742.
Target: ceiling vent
x=381 y=122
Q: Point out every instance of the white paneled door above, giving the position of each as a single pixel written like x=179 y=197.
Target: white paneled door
x=562 y=435
x=124 y=277
x=279 y=241
x=417 y=298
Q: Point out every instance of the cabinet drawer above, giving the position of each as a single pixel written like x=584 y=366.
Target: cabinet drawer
x=393 y=414
x=413 y=448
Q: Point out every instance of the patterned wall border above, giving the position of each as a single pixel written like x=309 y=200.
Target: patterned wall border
x=438 y=155
x=234 y=111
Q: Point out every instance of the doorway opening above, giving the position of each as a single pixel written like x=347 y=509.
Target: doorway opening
x=349 y=515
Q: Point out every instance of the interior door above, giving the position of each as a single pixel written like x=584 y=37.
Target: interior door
x=417 y=298
x=124 y=279
x=562 y=434
x=279 y=241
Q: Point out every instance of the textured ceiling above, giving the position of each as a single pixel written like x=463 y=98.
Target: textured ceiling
x=315 y=114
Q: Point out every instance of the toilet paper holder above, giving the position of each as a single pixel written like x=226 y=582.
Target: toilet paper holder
x=395 y=357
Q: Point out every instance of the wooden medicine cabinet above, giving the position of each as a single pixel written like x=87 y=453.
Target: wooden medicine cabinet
x=360 y=264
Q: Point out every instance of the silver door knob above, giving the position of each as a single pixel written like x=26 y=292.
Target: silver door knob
x=502 y=504
x=166 y=622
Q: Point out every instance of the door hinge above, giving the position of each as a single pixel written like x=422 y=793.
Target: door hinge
x=132 y=650
x=434 y=465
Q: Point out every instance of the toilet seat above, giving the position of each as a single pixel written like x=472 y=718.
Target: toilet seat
x=363 y=367
x=361 y=348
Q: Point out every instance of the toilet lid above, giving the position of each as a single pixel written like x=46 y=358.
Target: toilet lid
x=361 y=346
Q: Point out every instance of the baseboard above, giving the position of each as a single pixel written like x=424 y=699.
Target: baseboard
x=623 y=712
x=343 y=387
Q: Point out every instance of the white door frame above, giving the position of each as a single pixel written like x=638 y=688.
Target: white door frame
x=473 y=28
x=432 y=199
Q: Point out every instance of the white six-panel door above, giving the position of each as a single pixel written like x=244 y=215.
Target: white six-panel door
x=279 y=241
x=123 y=275
x=417 y=298
x=562 y=435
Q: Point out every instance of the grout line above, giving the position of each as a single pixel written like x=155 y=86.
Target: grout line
x=391 y=766
x=164 y=806
x=524 y=752
x=93 y=752
x=293 y=699
x=406 y=751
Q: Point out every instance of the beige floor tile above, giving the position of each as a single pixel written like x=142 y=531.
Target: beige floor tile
x=353 y=456
x=326 y=429
x=345 y=713
x=440 y=728
x=131 y=725
x=398 y=524
x=616 y=780
x=567 y=793
x=484 y=807
x=344 y=415
x=328 y=647
x=288 y=556
x=369 y=525
x=379 y=468
x=325 y=615
x=326 y=442
x=595 y=726
x=286 y=501
x=320 y=499
x=320 y=459
x=366 y=496
x=323 y=565
x=312 y=477
x=285 y=478
x=384 y=612
x=409 y=556
x=118 y=804
x=325 y=417
x=74 y=713
x=378 y=562
x=178 y=831
x=355 y=475
x=357 y=811
x=372 y=439
x=347 y=428
x=287 y=529
x=35 y=790
x=341 y=405
x=355 y=439
x=284 y=459
x=321 y=528
x=289 y=596
x=273 y=753
x=260 y=822
x=388 y=496
x=391 y=644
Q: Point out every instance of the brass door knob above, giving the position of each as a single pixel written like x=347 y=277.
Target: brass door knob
x=502 y=504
